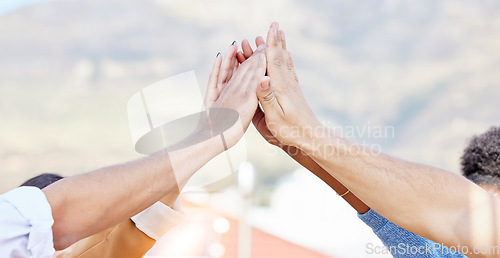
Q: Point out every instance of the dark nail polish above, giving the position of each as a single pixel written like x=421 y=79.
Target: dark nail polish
x=234 y=42
x=218 y=54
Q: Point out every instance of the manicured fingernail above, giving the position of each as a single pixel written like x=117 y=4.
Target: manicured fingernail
x=218 y=54
x=234 y=42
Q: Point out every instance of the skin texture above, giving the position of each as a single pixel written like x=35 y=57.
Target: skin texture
x=86 y=204
x=298 y=155
x=434 y=203
x=124 y=239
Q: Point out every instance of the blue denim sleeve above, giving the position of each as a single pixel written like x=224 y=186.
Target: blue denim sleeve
x=403 y=243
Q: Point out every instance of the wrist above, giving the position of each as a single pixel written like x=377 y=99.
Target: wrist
x=191 y=154
x=327 y=144
x=322 y=142
x=311 y=136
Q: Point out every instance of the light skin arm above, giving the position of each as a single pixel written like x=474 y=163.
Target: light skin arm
x=222 y=71
x=434 y=203
x=86 y=204
x=125 y=239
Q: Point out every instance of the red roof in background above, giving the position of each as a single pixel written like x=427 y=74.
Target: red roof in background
x=265 y=245
x=196 y=237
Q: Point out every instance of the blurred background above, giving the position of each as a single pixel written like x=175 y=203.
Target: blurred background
x=426 y=72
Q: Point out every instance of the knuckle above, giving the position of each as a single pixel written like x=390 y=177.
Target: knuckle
x=278 y=61
x=269 y=97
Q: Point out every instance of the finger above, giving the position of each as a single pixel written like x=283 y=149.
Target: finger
x=292 y=66
x=277 y=59
x=272 y=36
x=226 y=64
x=259 y=41
x=247 y=49
x=241 y=58
x=234 y=65
x=260 y=49
x=274 y=44
x=282 y=38
x=212 y=80
x=266 y=97
x=212 y=92
x=255 y=72
x=249 y=65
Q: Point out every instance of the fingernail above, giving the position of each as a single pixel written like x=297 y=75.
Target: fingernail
x=265 y=86
x=234 y=42
x=218 y=54
x=282 y=35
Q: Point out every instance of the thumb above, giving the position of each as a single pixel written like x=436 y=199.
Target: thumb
x=266 y=96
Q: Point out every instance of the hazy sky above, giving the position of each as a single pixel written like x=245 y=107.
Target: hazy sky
x=11 y=5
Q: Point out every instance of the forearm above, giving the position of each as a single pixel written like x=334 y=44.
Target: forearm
x=85 y=204
x=307 y=162
x=434 y=203
x=170 y=198
x=428 y=201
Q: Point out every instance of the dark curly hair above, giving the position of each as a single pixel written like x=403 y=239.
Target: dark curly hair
x=481 y=158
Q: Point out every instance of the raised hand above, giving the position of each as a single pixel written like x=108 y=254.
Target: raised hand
x=247 y=49
x=287 y=114
x=231 y=100
x=222 y=71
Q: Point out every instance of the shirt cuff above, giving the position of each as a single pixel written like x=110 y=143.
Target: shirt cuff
x=158 y=219
x=373 y=219
x=33 y=205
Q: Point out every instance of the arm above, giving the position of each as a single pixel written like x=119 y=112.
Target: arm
x=307 y=162
x=122 y=240
x=85 y=204
x=428 y=201
x=431 y=202
x=127 y=239
x=402 y=243
x=259 y=122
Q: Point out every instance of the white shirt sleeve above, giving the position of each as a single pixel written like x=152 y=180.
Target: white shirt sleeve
x=158 y=219
x=25 y=223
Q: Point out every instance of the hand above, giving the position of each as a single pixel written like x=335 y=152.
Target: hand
x=258 y=120
x=247 y=49
x=287 y=114
x=231 y=100
x=222 y=72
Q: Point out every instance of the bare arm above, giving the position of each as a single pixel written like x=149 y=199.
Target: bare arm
x=298 y=155
x=310 y=164
x=428 y=201
x=316 y=169
x=85 y=204
x=431 y=202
